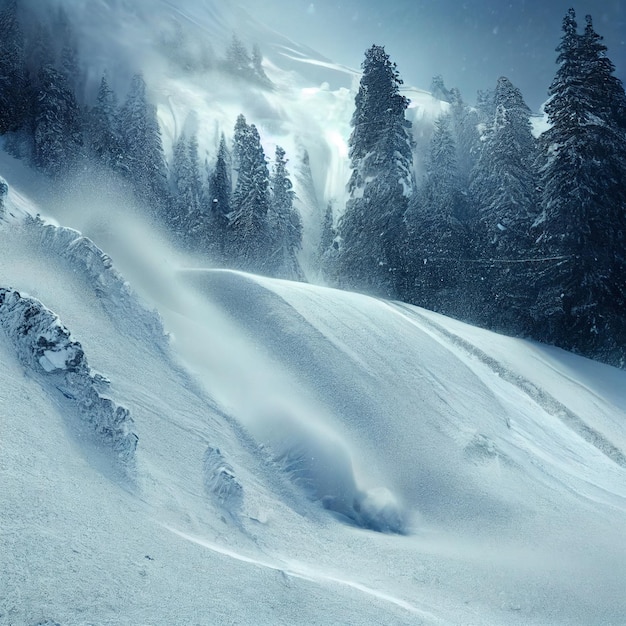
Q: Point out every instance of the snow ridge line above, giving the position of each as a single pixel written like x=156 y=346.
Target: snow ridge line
x=544 y=399
x=46 y=347
x=301 y=571
x=114 y=292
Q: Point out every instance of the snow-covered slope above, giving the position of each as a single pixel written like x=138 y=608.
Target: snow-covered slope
x=276 y=428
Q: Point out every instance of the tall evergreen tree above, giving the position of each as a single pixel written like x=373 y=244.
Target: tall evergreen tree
x=58 y=138
x=328 y=233
x=103 y=134
x=441 y=193
x=14 y=97
x=239 y=138
x=328 y=248
x=372 y=227
x=437 y=238
x=195 y=180
x=144 y=159
x=248 y=228
x=180 y=188
x=284 y=222
x=504 y=192
x=219 y=201
x=188 y=220
x=604 y=87
x=465 y=122
x=581 y=288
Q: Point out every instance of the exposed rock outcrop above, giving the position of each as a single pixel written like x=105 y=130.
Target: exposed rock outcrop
x=45 y=347
x=84 y=256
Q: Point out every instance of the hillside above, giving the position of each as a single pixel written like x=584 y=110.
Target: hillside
x=277 y=426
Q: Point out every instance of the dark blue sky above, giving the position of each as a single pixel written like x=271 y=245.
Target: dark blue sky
x=471 y=43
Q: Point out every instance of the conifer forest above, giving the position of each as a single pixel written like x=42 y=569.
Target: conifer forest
x=501 y=227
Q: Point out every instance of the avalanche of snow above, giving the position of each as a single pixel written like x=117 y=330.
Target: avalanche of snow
x=303 y=112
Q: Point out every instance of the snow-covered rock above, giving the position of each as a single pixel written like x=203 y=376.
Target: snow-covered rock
x=45 y=346
x=82 y=255
x=4 y=192
x=220 y=481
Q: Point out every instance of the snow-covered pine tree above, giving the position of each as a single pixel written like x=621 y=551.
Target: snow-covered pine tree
x=441 y=193
x=609 y=99
x=102 y=133
x=14 y=96
x=144 y=159
x=284 y=222
x=465 y=124
x=219 y=201
x=328 y=246
x=195 y=178
x=581 y=230
x=180 y=188
x=328 y=231
x=372 y=228
x=238 y=61
x=188 y=220
x=239 y=135
x=248 y=233
x=436 y=236
x=503 y=191
x=179 y=169
x=58 y=141
x=604 y=87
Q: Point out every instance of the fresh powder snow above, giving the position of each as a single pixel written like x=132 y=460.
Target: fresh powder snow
x=273 y=452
